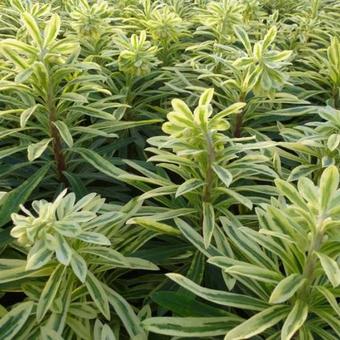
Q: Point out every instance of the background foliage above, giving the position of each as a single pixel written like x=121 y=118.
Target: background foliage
x=169 y=169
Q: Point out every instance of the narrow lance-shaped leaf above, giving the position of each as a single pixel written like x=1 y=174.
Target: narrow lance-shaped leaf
x=188 y=186
x=329 y=183
x=51 y=29
x=50 y=291
x=11 y=202
x=32 y=27
x=79 y=266
x=24 y=117
x=35 y=150
x=208 y=223
x=13 y=321
x=291 y=193
x=258 y=323
x=219 y=297
x=330 y=298
x=98 y=295
x=125 y=313
x=295 y=320
x=223 y=174
x=331 y=269
x=64 y=132
x=151 y=224
x=190 y=326
x=286 y=288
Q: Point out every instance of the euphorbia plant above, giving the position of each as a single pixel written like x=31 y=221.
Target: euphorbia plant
x=290 y=265
x=68 y=248
x=200 y=153
x=53 y=93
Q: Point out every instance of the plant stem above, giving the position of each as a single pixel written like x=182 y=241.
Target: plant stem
x=309 y=268
x=239 y=120
x=54 y=133
x=209 y=171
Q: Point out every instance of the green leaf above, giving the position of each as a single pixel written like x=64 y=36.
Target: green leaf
x=110 y=255
x=32 y=28
x=286 y=288
x=79 y=266
x=98 y=295
x=74 y=97
x=269 y=37
x=49 y=292
x=107 y=333
x=195 y=238
x=190 y=326
x=180 y=107
x=238 y=198
x=49 y=334
x=291 y=193
x=330 y=319
x=12 y=201
x=296 y=318
x=188 y=186
x=182 y=304
x=35 y=150
x=330 y=298
x=258 y=323
x=234 y=108
x=333 y=141
x=13 y=321
x=25 y=115
x=331 y=269
x=223 y=174
x=329 y=183
x=243 y=37
x=219 y=297
x=93 y=237
x=38 y=256
x=125 y=313
x=151 y=224
x=206 y=97
x=18 y=273
x=208 y=222
x=308 y=190
x=64 y=132
x=138 y=263
x=52 y=29
x=63 y=251
x=99 y=162
x=240 y=268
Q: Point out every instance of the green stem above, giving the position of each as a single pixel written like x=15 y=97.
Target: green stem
x=209 y=175
x=310 y=266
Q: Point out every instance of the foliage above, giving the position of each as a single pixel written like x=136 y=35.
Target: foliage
x=169 y=169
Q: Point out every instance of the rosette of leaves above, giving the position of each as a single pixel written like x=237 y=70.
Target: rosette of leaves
x=314 y=145
x=289 y=268
x=219 y=18
x=92 y=25
x=263 y=64
x=321 y=73
x=68 y=252
x=90 y=20
x=137 y=56
x=166 y=29
x=200 y=154
x=47 y=233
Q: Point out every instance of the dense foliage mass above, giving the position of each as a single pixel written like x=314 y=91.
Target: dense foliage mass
x=169 y=169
